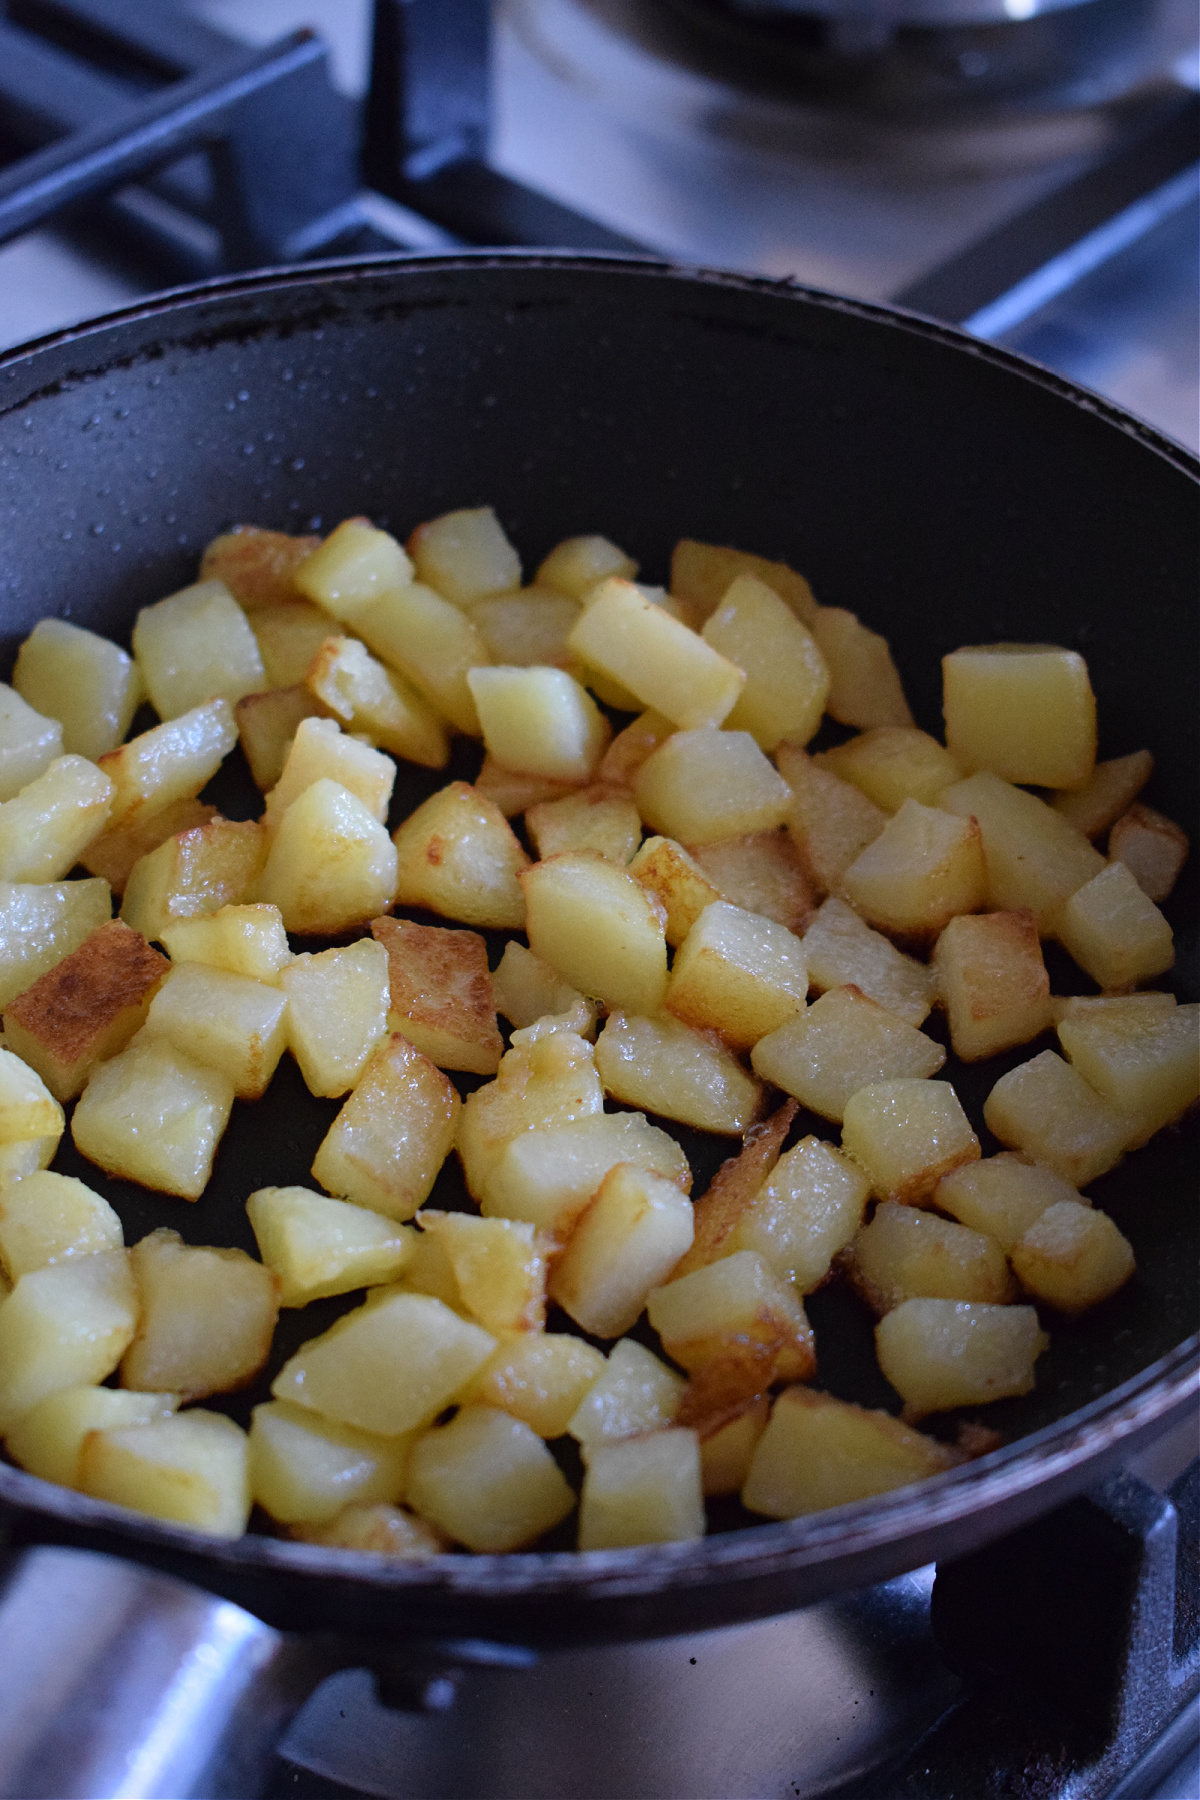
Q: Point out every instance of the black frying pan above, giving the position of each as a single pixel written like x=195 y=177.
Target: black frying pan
x=946 y=491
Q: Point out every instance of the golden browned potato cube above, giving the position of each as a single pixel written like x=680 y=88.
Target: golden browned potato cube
x=819 y=1452
x=728 y=1440
x=1073 y=1257
x=373 y=700
x=337 y=1013
x=116 y=852
x=458 y=857
x=46 y=1218
x=541 y=1378
x=734 y=1186
x=905 y=1253
x=63 y=1326
x=247 y=940
x=762 y=873
x=46 y=829
x=906 y=1135
x=257 y=566
x=635 y=1393
x=465 y=555
x=739 y=974
x=389 y=1366
x=622 y=634
x=488 y=1481
x=735 y=1310
x=40 y=923
x=190 y=1469
x=1046 y=1109
x=392 y=1136
x=943 y=1353
x=1024 y=711
x=321 y=751
x=1034 y=857
x=992 y=982
x=548 y=1176
x=498 y=1266
x=807 y=1210
x=843 y=951
x=701 y=575
x=630 y=748
x=155 y=1116
x=194 y=874
x=865 y=688
x=29 y=742
x=289 y=634
x=1114 y=930
x=513 y=792
x=304 y=1469
x=676 y=880
x=599 y=927
x=923 y=868
x=672 y=1069
x=86 y=682
x=527 y=989
x=1152 y=846
x=48 y=1439
x=1002 y=1196
x=205 y=1318
x=1113 y=786
x=441 y=994
x=27 y=1108
x=171 y=762
x=645 y=1490
x=705 y=785
x=626 y=1242
x=539 y=721
x=787 y=682
x=1144 y=1062
x=194 y=646
x=86 y=1008
x=315 y=1246
x=596 y=818
x=842 y=1042
x=378 y=1530
x=354 y=566
x=528 y=628
x=228 y=1022
x=547 y=1082
x=432 y=643
x=267 y=726
x=331 y=865
x=830 y=821
x=894 y=763
x=579 y=564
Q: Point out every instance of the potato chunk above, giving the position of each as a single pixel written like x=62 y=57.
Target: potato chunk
x=630 y=748
x=541 y=1378
x=1023 y=711
x=304 y=1469
x=47 y=1218
x=907 y=1135
x=865 y=688
x=189 y=1469
x=367 y=698
x=458 y=857
x=669 y=1068
x=841 y=950
x=1001 y=1195
x=842 y=1042
x=171 y=762
x=595 y=818
x=526 y=629
x=353 y=567
x=635 y=1393
x=289 y=634
x=704 y=785
x=246 y=940
x=316 y=1247
x=1073 y=1257
x=739 y=1313
x=432 y=644
x=1047 y=1110
x=579 y=564
x=598 y=927
x=626 y=1242
x=465 y=555
x=257 y=566
x=905 y=1253
x=539 y=721
x=1144 y=1062
x=194 y=646
x=379 y=1530
x=1034 y=858
x=1114 y=931
x=227 y=1022
x=1112 y=787
x=332 y=865
x=40 y=923
x=549 y=1176
x=894 y=763
x=48 y=1439
x=321 y=751
x=922 y=869
x=205 y=1318
x=513 y=792
x=337 y=1013
x=29 y=741
x=46 y=829
x=527 y=989
x=701 y=576
x=194 y=874
x=760 y=872
x=117 y=851
x=392 y=1136
x=27 y=1108
x=807 y=1210
x=267 y=725
x=666 y=870
x=943 y=1353
x=498 y=1268
x=645 y=1490
x=154 y=1115
x=65 y=1325
x=738 y=974
x=1150 y=845
x=831 y=822
x=666 y=665
x=548 y=1082
x=441 y=994
x=819 y=1452
x=728 y=1439
x=488 y=1481
x=992 y=981
x=787 y=682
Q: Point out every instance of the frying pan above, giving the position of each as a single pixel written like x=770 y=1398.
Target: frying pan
x=946 y=491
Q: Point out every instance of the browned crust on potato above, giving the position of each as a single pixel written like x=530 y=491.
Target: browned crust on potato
x=734 y=1186
x=257 y=566
x=114 y=852
x=1152 y=847
x=440 y=977
x=73 y=1004
x=761 y=872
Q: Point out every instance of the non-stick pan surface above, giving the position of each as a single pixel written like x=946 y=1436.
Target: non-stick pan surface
x=946 y=492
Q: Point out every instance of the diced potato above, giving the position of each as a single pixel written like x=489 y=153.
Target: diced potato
x=1047 y=1110
x=646 y=1490
x=805 y=1213
x=819 y=1452
x=155 y=1116
x=1113 y=786
x=579 y=564
x=194 y=646
x=728 y=1440
x=63 y=1326
x=1034 y=858
x=194 y=874
x=353 y=567
x=432 y=643
x=1152 y=846
x=441 y=994
x=1073 y=1257
x=943 y=1353
x=267 y=726
x=923 y=868
x=86 y=682
x=527 y=989
x=257 y=566
x=1002 y=1196
x=865 y=688
x=25 y=1157
x=599 y=927
x=545 y=1083
x=46 y=829
x=321 y=751
x=337 y=1013
x=666 y=870
x=1024 y=711
x=171 y=762
x=458 y=857
x=488 y=1481
x=701 y=574
x=29 y=741
x=630 y=748
x=842 y=951
x=539 y=721
x=626 y=1242
x=528 y=628
x=894 y=763
x=762 y=873
x=787 y=682
x=541 y=1378
x=316 y=1247
x=331 y=865
x=514 y=792
x=739 y=1312
x=739 y=974
x=635 y=1393
x=46 y=1218
x=705 y=785
x=830 y=821
x=228 y=1022
x=247 y=940
x=304 y=1469
x=992 y=981
x=431 y=1272
x=190 y=1469
x=907 y=1135
x=734 y=1187
x=1114 y=930
x=42 y=923
x=117 y=851
x=595 y=818
x=48 y=1439
x=465 y=555
x=27 y=1108
x=389 y=1366
x=671 y=1069
x=905 y=1253
x=549 y=1176
x=86 y=1008
x=378 y=1530
x=840 y=1044
x=662 y=662
x=498 y=1266
x=205 y=1319
x=1143 y=1062
x=371 y=699
x=392 y=1136
x=289 y=634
